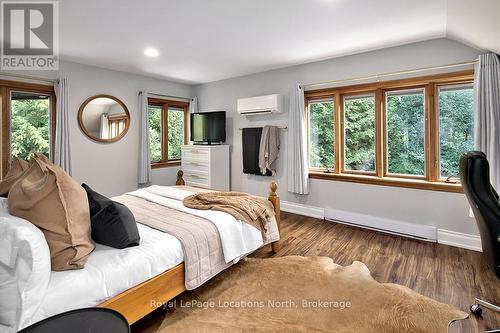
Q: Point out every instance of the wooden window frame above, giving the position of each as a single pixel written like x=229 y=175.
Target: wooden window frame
x=6 y=88
x=116 y=119
x=307 y=119
x=438 y=87
x=386 y=172
x=165 y=104
x=342 y=134
x=431 y=83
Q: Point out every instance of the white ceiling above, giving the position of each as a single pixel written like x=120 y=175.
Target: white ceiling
x=202 y=41
x=476 y=23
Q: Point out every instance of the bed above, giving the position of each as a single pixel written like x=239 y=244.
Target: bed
x=133 y=281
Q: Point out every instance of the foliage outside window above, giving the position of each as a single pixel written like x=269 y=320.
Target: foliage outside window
x=30 y=124
x=359 y=133
x=321 y=134
x=28 y=118
x=175 y=133
x=167 y=123
x=406 y=133
x=154 y=113
x=409 y=132
x=456 y=126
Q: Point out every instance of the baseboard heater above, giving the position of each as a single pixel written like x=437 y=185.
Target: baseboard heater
x=422 y=232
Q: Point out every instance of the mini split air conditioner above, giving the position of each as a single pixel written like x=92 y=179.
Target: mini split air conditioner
x=260 y=105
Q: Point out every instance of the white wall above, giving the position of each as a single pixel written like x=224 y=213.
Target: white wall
x=444 y=210
x=111 y=168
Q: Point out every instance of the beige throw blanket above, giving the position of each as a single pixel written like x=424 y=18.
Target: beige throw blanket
x=269 y=149
x=203 y=254
x=248 y=208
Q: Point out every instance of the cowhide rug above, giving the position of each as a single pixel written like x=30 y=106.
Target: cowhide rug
x=304 y=294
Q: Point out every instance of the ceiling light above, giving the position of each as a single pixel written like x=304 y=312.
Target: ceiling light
x=151 y=52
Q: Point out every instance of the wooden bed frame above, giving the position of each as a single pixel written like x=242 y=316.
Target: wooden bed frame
x=138 y=301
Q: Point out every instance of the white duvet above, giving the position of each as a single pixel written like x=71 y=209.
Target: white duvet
x=237 y=237
x=30 y=291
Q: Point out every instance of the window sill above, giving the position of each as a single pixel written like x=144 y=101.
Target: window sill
x=388 y=181
x=168 y=164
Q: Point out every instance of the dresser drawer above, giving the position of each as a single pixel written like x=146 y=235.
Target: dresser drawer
x=194 y=164
x=196 y=178
x=196 y=153
x=206 y=166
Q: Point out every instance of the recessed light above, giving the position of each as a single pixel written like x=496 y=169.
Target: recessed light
x=151 y=52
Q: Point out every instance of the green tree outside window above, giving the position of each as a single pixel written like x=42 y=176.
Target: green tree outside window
x=321 y=134
x=456 y=127
x=359 y=133
x=30 y=126
x=406 y=133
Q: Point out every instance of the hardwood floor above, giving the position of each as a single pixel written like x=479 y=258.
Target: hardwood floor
x=444 y=273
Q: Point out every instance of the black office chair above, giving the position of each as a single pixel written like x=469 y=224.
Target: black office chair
x=95 y=320
x=484 y=201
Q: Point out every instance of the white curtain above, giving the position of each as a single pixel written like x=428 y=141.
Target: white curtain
x=193 y=105
x=104 y=127
x=487 y=112
x=144 y=159
x=298 y=178
x=62 y=156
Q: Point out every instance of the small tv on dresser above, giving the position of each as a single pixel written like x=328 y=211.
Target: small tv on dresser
x=208 y=127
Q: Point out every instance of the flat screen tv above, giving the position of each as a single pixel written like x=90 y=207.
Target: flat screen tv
x=208 y=127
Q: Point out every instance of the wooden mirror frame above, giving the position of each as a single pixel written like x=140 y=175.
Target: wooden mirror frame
x=84 y=130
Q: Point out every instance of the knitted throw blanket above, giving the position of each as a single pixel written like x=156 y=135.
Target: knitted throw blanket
x=253 y=210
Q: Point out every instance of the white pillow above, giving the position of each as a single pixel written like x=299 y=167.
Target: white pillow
x=24 y=270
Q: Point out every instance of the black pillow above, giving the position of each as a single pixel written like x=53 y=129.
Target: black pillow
x=113 y=224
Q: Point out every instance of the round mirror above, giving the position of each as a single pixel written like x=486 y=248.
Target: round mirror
x=104 y=118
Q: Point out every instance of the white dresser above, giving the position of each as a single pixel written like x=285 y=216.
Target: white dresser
x=206 y=166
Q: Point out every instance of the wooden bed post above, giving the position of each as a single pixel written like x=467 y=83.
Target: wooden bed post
x=275 y=200
x=180 y=180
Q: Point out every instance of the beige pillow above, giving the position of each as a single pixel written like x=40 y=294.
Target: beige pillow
x=17 y=167
x=49 y=198
x=42 y=158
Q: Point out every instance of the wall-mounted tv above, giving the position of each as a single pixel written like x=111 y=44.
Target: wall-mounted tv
x=208 y=127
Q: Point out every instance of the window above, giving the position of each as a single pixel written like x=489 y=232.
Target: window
x=405 y=132
x=167 y=131
x=359 y=133
x=175 y=133
x=321 y=134
x=116 y=125
x=29 y=120
x=154 y=113
x=456 y=126
x=408 y=132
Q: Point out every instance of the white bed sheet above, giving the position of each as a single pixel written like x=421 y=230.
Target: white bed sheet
x=238 y=238
x=109 y=272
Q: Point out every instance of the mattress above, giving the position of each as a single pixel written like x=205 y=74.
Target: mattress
x=110 y=271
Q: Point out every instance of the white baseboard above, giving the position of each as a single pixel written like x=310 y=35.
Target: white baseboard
x=405 y=229
x=301 y=209
x=458 y=239
x=424 y=232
